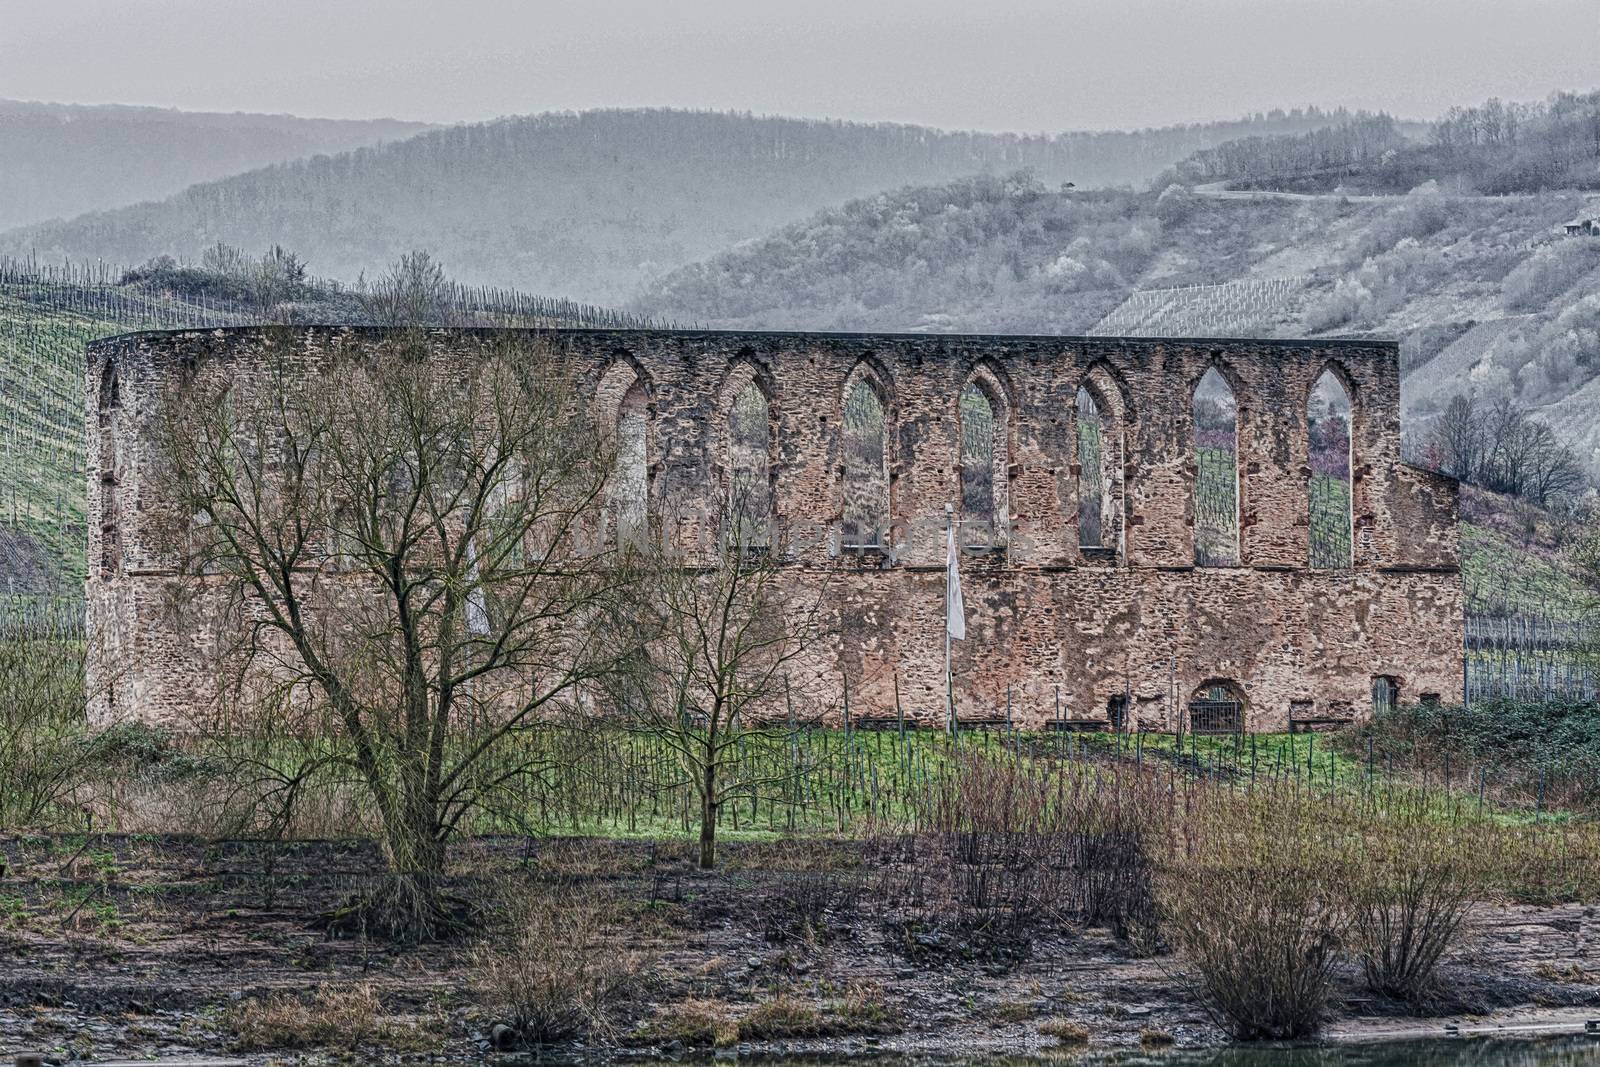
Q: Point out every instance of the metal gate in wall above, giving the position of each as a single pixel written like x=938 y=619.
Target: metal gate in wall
x=1216 y=715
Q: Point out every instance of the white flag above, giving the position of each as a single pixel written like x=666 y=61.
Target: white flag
x=955 y=613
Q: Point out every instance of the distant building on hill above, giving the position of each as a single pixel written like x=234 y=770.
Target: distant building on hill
x=1583 y=226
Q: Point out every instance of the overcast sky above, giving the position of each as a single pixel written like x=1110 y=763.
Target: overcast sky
x=985 y=64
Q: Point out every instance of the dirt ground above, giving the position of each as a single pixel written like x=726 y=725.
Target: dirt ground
x=131 y=947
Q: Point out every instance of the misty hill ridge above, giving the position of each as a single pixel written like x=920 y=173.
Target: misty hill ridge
x=1011 y=255
x=60 y=160
x=1495 y=148
x=593 y=204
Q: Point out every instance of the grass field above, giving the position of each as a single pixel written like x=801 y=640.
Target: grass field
x=1503 y=577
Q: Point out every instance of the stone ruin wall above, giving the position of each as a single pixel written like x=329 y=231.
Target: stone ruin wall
x=1052 y=628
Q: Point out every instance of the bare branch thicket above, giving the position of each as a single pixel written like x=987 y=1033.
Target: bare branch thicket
x=560 y=963
x=405 y=548
x=48 y=749
x=1409 y=902
x=720 y=638
x=414 y=291
x=1502 y=449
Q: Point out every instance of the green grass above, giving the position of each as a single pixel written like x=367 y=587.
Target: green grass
x=630 y=786
x=1500 y=576
x=1330 y=522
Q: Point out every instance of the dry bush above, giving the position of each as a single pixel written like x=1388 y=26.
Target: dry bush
x=1412 y=887
x=808 y=905
x=1252 y=900
x=783 y=1016
x=331 y=1018
x=694 y=1023
x=864 y=1009
x=558 y=966
x=1154 y=1039
x=711 y=1024
x=1010 y=846
x=1067 y=1034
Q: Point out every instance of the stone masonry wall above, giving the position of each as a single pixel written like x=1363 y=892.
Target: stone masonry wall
x=1051 y=627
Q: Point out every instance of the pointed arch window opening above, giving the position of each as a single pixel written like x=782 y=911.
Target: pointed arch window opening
x=1329 y=491
x=1216 y=482
x=982 y=468
x=749 y=503
x=1094 y=472
x=630 y=487
x=864 y=511
x=110 y=411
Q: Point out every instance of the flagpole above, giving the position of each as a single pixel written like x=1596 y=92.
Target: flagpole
x=949 y=681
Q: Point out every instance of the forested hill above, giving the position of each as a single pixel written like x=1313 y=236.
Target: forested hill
x=1496 y=148
x=591 y=205
x=1486 y=294
x=60 y=160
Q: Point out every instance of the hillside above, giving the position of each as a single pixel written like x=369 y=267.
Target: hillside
x=592 y=205
x=1484 y=292
x=1496 y=148
x=48 y=314
x=1515 y=561
x=60 y=160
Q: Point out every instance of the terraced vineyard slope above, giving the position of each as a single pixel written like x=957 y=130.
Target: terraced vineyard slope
x=47 y=314
x=1245 y=307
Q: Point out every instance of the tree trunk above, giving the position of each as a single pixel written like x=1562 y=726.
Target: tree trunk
x=708 y=819
x=410 y=906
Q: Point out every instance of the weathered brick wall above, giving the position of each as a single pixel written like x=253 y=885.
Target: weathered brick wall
x=1050 y=624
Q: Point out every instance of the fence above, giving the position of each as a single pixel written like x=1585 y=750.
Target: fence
x=22 y=618
x=1529 y=657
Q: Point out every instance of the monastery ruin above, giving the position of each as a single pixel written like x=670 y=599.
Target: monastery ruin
x=1155 y=534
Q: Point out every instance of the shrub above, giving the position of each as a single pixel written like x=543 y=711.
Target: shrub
x=1252 y=903
x=556 y=969
x=1066 y=1033
x=802 y=904
x=1012 y=846
x=1412 y=894
x=1522 y=748
x=331 y=1018
x=46 y=747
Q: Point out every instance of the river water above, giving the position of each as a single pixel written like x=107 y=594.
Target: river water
x=1457 y=1052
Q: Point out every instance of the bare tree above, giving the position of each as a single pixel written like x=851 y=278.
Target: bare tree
x=414 y=291
x=1459 y=439
x=1504 y=450
x=276 y=277
x=403 y=543
x=717 y=636
x=1553 y=471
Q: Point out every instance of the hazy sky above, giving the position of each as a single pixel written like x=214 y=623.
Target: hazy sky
x=987 y=64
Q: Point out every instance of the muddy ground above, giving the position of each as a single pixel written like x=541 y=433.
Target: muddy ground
x=123 y=946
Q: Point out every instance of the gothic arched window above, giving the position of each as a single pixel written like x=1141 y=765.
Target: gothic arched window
x=1328 y=437
x=865 y=504
x=1216 y=481
x=109 y=406
x=1094 y=482
x=749 y=468
x=630 y=482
